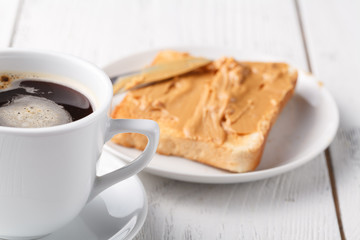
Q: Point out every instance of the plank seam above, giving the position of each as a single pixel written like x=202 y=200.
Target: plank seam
x=327 y=151
x=334 y=192
x=16 y=22
x=306 y=49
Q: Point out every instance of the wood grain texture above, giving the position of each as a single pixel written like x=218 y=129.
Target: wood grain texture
x=290 y=206
x=7 y=20
x=107 y=30
x=296 y=205
x=345 y=152
x=333 y=39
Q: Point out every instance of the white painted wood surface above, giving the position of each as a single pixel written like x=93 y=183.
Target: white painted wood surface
x=8 y=13
x=333 y=38
x=296 y=205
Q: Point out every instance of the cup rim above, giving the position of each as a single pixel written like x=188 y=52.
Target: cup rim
x=72 y=125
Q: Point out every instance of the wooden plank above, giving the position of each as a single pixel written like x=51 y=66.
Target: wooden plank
x=103 y=32
x=7 y=20
x=296 y=205
x=333 y=36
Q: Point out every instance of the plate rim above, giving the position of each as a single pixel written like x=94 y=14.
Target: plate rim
x=250 y=54
x=233 y=177
x=141 y=217
x=144 y=213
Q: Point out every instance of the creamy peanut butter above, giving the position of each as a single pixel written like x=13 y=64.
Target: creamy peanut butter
x=226 y=97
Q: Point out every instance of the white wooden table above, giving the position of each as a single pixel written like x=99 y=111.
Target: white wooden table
x=320 y=200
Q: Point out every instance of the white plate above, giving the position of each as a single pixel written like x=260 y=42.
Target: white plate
x=304 y=129
x=117 y=213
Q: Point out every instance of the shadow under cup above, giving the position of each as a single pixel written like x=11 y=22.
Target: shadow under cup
x=47 y=174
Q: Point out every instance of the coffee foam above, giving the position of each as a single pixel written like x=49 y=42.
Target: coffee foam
x=33 y=112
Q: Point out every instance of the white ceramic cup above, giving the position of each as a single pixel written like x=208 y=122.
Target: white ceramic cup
x=47 y=175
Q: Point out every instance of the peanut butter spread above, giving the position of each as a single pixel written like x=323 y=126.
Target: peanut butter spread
x=225 y=97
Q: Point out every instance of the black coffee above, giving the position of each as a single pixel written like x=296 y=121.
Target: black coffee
x=38 y=103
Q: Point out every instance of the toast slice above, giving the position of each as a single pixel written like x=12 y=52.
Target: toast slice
x=218 y=115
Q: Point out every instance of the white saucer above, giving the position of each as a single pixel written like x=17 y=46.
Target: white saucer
x=117 y=213
x=304 y=129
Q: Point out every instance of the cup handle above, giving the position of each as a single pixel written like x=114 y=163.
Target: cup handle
x=147 y=127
